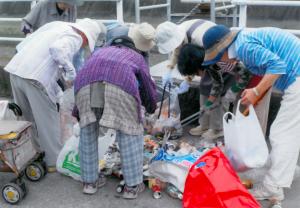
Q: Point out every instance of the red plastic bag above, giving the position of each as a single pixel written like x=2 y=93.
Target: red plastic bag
x=212 y=183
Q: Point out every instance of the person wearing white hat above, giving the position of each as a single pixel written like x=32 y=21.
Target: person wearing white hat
x=42 y=59
x=46 y=11
x=170 y=38
x=143 y=36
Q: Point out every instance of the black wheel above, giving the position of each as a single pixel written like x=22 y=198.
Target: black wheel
x=35 y=171
x=12 y=193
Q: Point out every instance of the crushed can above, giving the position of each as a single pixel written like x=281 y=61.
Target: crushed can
x=156 y=187
x=247 y=183
x=174 y=192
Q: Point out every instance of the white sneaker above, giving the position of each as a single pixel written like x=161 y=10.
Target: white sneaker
x=213 y=134
x=197 y=131
x=264 y=191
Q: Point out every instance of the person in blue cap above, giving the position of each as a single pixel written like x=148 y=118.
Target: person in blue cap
x=274 y=54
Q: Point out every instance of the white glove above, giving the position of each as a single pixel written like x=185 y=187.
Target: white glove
x=183 y=87
x=167 y=78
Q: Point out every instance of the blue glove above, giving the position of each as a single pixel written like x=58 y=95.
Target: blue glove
x=167 y=78
x=183 y=87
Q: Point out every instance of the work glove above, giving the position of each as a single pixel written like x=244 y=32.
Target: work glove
x=167 y=78
x=183 y=87
x=208 y=106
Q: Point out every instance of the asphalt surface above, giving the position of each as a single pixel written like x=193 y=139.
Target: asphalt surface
x=56 y=190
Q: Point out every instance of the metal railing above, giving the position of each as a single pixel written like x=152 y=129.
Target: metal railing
x=139 y=8
x=214 y=8
x=119 y=11
x=242 y=4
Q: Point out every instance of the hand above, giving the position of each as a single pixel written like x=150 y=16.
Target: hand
x=183 y=87
x=167 y=78
x=208 y=106
x=248 y=97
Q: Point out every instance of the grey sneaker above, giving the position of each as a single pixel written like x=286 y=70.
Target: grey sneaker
x=264 y=191
x=212 y=134
x=197 y=131
x=132 y=192
x=90 y=188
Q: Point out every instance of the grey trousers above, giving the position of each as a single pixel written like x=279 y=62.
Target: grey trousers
x=213 y=120
x=42 y=112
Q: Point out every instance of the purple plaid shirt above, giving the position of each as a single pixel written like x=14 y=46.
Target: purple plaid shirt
x=122 y=67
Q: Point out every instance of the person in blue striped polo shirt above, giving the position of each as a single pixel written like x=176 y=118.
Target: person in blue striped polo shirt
x=274 y=54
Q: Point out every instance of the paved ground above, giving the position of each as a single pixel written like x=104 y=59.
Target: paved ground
x=56 y=190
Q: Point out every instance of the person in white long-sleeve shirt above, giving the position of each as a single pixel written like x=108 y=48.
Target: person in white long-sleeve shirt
x=42 y=59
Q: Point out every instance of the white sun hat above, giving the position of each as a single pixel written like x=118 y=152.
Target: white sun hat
x=143 y=36
x=168 y=37
x=91 y=29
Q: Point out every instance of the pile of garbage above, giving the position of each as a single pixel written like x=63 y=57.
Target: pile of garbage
x=166 y=163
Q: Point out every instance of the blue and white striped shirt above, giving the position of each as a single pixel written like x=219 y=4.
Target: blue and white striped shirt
x=270 y=51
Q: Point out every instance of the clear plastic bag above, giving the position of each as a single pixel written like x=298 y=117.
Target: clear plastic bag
x=168 y=115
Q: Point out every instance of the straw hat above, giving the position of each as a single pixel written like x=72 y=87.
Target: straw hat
x=216 y=41
x=91 y=29
x=168 y=37
x=142 y=35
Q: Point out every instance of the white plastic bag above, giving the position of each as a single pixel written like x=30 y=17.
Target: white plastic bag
x=68 y=159
x=245 y=144
x=68 y=162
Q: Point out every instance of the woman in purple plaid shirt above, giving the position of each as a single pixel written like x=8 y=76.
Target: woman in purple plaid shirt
x=109 y=92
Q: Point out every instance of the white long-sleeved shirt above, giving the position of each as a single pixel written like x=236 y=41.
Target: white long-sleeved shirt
x=41 y=55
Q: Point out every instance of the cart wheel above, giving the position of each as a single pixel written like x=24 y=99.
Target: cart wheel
x=12 y=193
x=35 y=171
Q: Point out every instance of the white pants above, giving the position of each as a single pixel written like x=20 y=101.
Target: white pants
x=42 y=112
x=285 y=139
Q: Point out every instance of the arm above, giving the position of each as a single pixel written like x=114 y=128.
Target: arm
x=62 y=52
x=250 y=96
x=147 y=88
x=267 y=63
x=30 y=21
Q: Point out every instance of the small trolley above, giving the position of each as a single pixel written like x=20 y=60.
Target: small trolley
x=19 y=154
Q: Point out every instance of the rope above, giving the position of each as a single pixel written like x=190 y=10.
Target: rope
x=193 y=11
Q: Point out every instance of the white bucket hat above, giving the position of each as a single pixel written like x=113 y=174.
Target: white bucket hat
x=142 y=35
x=91 y=29
x=168 y=37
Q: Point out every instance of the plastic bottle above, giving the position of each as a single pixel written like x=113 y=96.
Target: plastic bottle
x=174 y=192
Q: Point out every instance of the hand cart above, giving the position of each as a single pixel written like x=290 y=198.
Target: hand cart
x=19 y=154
